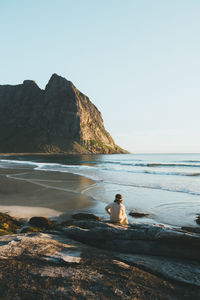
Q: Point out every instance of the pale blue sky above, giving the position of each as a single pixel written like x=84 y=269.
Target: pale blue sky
x=137 y=60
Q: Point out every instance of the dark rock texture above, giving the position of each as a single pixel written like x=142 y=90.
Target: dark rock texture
x=59 y=119
x=8 y=224
x=90 y=259
x=53 y=266
x=191 y=229
x=41 y=222
x=137 y=239
x=45 y=267
x=136 y=214
x=85 y=216
x=198 y=219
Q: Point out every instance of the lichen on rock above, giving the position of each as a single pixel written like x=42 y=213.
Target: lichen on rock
x=8 y=224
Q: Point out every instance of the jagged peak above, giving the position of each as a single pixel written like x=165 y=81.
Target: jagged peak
x=55 y=120
x=55 y=76
x=57 y=80
x=30 y=83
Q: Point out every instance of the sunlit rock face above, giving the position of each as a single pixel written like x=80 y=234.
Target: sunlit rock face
x=55 y=120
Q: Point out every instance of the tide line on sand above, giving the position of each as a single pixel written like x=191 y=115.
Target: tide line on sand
x=27 y=212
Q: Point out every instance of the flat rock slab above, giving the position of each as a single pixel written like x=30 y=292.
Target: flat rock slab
x=137 y=239
x=174 y=269
x=42 y=246
x=53 y=266
x=191 y=229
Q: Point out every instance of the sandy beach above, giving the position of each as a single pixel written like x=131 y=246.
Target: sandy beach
x=166 y=187
x=26 y=192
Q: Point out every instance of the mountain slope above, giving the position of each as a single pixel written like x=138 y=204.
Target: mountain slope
x=59 y=119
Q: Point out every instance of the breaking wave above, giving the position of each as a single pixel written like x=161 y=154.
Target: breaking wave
x=177 y=176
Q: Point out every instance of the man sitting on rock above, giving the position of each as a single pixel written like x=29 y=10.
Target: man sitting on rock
x=116 y=210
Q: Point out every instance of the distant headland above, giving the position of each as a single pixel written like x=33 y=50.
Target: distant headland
x=58 y=119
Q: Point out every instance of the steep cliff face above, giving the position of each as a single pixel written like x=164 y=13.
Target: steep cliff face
x=55 y=120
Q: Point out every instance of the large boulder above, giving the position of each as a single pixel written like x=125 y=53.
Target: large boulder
x=41 y=222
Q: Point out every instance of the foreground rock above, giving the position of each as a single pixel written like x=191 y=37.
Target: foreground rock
x=137 y=239
x=90 y=259
x=52 y=266
x=191 y=229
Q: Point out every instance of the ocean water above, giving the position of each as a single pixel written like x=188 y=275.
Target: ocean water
x=167 y=186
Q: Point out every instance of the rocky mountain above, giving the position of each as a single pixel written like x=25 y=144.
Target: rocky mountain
x=58 y=119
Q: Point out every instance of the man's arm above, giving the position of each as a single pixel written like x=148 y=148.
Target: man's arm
x=107 y=208
x=123 y=210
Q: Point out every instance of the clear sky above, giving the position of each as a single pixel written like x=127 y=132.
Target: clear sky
x=137 y=60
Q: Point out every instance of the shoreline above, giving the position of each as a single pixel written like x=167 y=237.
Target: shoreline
x=49 y=194
x=65 y=192
x=59 y=193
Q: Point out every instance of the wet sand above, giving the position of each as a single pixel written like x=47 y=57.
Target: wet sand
x=26 y=192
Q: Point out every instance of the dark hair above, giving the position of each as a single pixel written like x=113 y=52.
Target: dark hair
x=118 y=197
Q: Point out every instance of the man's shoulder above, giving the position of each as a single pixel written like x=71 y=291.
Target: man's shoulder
x=110 y=204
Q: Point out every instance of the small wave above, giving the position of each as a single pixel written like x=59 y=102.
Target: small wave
x=56 y=167
x=171 y=173
x=62 y=168
x=84 y=170
x=150 y=172
x=24 y=162
x=171 y=165
x=153 y=164
x=108 y=161
x=73 y=168
x=8 y=161
x=97 y=163
x=156 y=188
x=94 y=176
x=35 y=165
x=191 y=161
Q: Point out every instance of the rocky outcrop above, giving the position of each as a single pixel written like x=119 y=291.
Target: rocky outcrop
x=89 y=259
x=59 y=119
x=41 y=222
x=50 y=266
x=137 y=239
x=8 y=224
